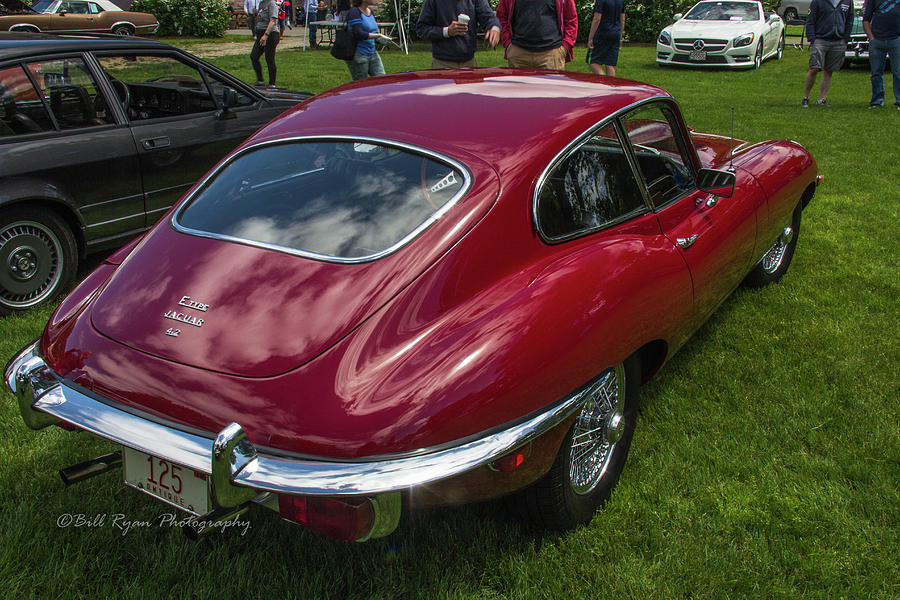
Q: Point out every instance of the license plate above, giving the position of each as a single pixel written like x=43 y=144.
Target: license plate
x=172 y=483
x=698 y=54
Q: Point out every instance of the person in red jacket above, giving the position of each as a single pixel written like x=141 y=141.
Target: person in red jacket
x=538 y=34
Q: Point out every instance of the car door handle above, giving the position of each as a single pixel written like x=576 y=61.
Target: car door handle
x=687 y=242
x=157 y=142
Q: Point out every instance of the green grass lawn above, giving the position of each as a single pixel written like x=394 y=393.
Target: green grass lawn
x=765 y=464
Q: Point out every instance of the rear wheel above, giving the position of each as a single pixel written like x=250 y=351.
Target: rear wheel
x=592 y=454
x=38 y=258
x=123 y=30
x=775 y=262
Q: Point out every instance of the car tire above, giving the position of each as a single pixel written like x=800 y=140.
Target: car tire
x=790 y=14
x=775 y=262
x=38 y=258
x=123 y=30
x=758 y=56
x=577 y=485
x=780 y=52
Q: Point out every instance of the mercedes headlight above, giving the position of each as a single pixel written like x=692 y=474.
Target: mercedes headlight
x=664 y=38
x=743 y=40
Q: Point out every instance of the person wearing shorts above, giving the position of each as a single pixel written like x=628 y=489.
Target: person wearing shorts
x=605 y=38
x=828 y=27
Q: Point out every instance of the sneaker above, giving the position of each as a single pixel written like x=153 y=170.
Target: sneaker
x=897 y=105
x=822 y=103
x=875 y=106
x=258 y=84
x=271 y=86
x=804 y=103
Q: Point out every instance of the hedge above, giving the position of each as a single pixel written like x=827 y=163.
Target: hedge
x=192 y=18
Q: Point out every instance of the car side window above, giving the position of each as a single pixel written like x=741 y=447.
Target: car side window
x=21 y=108
x=94 y=8
x=157 y=86
x=664 y=168
x=71 y=93
x=76 y=8
x=591 y=188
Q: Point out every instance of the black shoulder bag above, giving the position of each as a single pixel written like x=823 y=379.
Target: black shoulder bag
x=344 y=46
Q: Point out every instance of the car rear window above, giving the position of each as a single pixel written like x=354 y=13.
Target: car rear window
x=344 y=200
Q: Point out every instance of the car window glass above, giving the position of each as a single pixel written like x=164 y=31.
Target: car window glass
x=21 y=108
x=593 y=187
x=665 y=170
x=42 y=6
x=75 y=8
x=158 y=86
x=71 y=92
x=95 y=8
x=724 y=11
x=333 y=199
x=218 y=87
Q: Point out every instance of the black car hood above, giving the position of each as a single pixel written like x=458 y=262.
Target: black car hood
x=16 y=6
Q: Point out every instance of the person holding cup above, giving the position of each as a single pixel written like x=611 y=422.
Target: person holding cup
x=448 y=25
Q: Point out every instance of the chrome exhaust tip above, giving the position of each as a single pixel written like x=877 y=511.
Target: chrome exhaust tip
x=90 y=468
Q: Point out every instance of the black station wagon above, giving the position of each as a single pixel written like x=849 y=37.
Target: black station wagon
x=98 y=137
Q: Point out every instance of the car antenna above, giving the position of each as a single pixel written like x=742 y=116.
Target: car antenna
x=731 y=149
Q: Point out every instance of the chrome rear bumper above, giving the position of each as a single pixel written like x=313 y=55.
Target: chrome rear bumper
x=238 y=472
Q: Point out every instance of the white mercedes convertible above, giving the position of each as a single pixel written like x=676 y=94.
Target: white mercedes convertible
x=732 y=33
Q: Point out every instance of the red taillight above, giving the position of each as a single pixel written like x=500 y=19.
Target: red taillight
x=513 y=460
x=347 y=519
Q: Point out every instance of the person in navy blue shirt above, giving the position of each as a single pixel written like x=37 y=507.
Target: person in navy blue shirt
x=881 y=22
x=605 y=38
x=828 y=27
x=453 y=42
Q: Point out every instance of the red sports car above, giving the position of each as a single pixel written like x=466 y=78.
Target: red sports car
x=420 y=289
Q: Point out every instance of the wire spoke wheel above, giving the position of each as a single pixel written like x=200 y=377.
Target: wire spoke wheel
x=597 y=428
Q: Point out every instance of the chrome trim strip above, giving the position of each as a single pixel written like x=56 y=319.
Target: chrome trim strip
x=102 y=223
x=467 y=184
x=243 y=465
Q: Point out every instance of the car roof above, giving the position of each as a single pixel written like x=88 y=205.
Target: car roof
x=16 y=44
x=492 y=113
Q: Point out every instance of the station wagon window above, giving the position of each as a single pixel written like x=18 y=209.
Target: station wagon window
x=21 y=108
x=660 y=157
x=593 y=187
x=337 y=199
x=156 y=86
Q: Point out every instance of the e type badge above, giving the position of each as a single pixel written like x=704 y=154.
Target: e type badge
x=177 y=315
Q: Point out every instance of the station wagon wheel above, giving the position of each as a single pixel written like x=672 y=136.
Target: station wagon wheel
x=592 y=454
x=37 y=258
x=775 y=262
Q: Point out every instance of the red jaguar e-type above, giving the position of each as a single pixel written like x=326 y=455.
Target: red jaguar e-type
x=420 y=289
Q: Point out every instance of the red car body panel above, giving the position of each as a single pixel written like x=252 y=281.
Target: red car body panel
x=473 y=325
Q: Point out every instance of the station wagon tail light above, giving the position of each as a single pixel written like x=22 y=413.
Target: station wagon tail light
x=744 y=40
x=348 y=519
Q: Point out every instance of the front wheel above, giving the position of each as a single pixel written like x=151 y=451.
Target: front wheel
x=780 y=52
x=757 y=58
x=790 y=14
x=592 y=454
x=775 y=262
x=38 y=258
